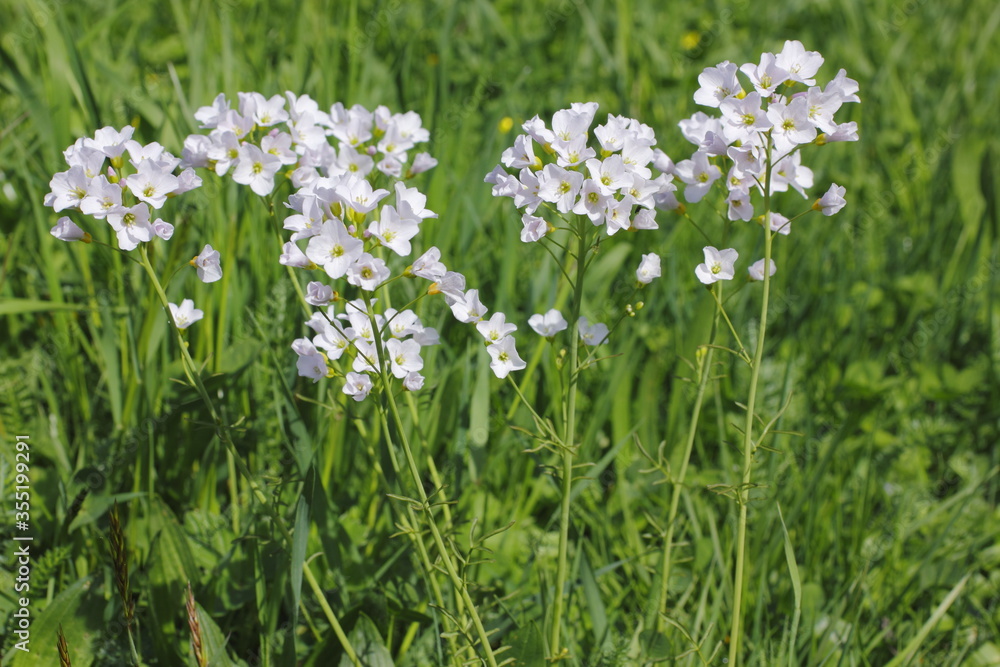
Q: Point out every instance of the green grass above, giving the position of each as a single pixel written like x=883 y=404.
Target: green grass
x=883 y=340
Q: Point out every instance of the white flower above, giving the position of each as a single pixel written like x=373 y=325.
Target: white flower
x=292 y=255
x=186 y=314
x=832 y=201
x=592 y=334
x=756 y=269
x=718 y=265
x=256 y=169
x=468 y=308
x=67 y=230
x=496 y=328
x=534 y=228
x=404 y=356
x=68 y=189
x=422 y=162
x=318 y=294
x=110 y=141
x=209 y=264
x=780 y=224
x=151 y=184
x=163 y=229
x=334 y=248
x=549 y=324
x=698 y=174
x=413 y=381
x=799 y=63
x=717 y=83
x=102 y=198
x=367 y=272
x=649 y=268
x=209 y=116
x=452 y=285
x=429 y=265
x=505 y=357
x=394 y=232
x=131 y=225
x=357 y=386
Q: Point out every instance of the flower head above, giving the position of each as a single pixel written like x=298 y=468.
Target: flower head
x=831 y=202
x=718 y=265
x=505 y=357
x=549 y=324
x=185 y=314
x=67 y=230
x=756 y=270
x=592 y=334
x=209 y=265
x=649 y=268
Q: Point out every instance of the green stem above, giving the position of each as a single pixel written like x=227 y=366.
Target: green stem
x=418 y=539
x=131 y=646
x=222 y=430
x=568 y=444
x=743 y=492
x=704 y=356
x=411 y=463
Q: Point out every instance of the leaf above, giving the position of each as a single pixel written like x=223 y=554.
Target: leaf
x=368 y=644
x=212 y=639
x=95 y=506
x=21 y=306
x=793 y=572
x=527 y=646
x=300 y=537
x=595 y=605
x=80 y=614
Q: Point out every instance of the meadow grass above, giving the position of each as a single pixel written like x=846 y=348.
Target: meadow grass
x=883 y=342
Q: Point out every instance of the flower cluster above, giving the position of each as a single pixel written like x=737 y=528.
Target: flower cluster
x=264 y=135
x=558 y=168
x=759 y=133
x=343 y=224
x=124 y=195
x=609 y=183
x=401 y=335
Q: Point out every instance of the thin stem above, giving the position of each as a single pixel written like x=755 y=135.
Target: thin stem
x=743 y=492
x=222 y=430
x=718 y=300
x=449 y=564
x=704 y=356
x=416 y=536
x=568 y=445
x=411 y=463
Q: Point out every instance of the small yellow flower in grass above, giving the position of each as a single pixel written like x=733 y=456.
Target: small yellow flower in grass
x=505 y=125
x=690 y=40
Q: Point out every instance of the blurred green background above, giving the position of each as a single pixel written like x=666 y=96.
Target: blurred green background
x=885 y=339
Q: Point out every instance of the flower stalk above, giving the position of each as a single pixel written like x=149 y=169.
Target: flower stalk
x=457 y=581
x=749 y=446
